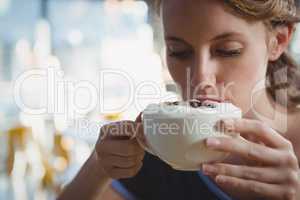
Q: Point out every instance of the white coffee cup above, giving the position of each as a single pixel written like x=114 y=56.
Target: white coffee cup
x=176 y=134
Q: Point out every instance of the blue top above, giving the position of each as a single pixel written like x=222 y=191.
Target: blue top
x=158 y=181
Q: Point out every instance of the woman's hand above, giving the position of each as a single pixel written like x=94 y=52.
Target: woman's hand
x=118 y=153
x=275 y=172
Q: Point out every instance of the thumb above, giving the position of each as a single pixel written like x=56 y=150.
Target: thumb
x=139 y=118
x=139 y=132
x=140 y=136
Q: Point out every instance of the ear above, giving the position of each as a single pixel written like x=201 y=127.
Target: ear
x=279 y=41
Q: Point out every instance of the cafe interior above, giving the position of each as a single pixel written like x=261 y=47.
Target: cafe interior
x=67 y=67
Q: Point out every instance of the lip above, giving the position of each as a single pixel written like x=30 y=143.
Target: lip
x=204 y=98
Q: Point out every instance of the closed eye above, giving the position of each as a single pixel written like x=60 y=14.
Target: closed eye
x=228 y=53
x=181 y=55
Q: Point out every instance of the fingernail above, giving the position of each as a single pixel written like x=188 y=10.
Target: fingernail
x=212 y=142
x=228 y=123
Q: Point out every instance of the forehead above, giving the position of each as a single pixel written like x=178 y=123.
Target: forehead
x=203 y=17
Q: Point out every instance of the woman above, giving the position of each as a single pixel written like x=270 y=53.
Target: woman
x=221 y=49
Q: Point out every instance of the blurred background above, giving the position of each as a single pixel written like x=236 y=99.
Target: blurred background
x=54 y=98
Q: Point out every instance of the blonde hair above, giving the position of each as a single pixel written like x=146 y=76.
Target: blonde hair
x=283 y=75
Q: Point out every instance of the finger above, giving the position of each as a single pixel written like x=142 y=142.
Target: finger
x=246 y=149
x=265 y=190
x=120 y=148
x=139 y=131
x=139 y=118
x=266 y=175
x=256 y=128
x=118 y=173
x=140 y=136
x=120 y=161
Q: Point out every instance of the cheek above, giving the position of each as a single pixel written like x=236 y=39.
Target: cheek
x=252 y=68
x=177 y=71
x=252 y=65
x=246 y=73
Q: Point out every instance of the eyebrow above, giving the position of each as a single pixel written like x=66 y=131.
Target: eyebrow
x=175 y=39
x=226 y=35
x=219 y=37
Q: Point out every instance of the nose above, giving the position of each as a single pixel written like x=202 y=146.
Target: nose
x=203 y=76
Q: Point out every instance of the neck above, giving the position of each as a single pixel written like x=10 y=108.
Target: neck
x=266 y=109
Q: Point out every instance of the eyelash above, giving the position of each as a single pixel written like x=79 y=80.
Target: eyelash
x=182 y=55
x=229 y=53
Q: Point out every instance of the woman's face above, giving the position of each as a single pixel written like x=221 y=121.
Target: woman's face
x=213 y=53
